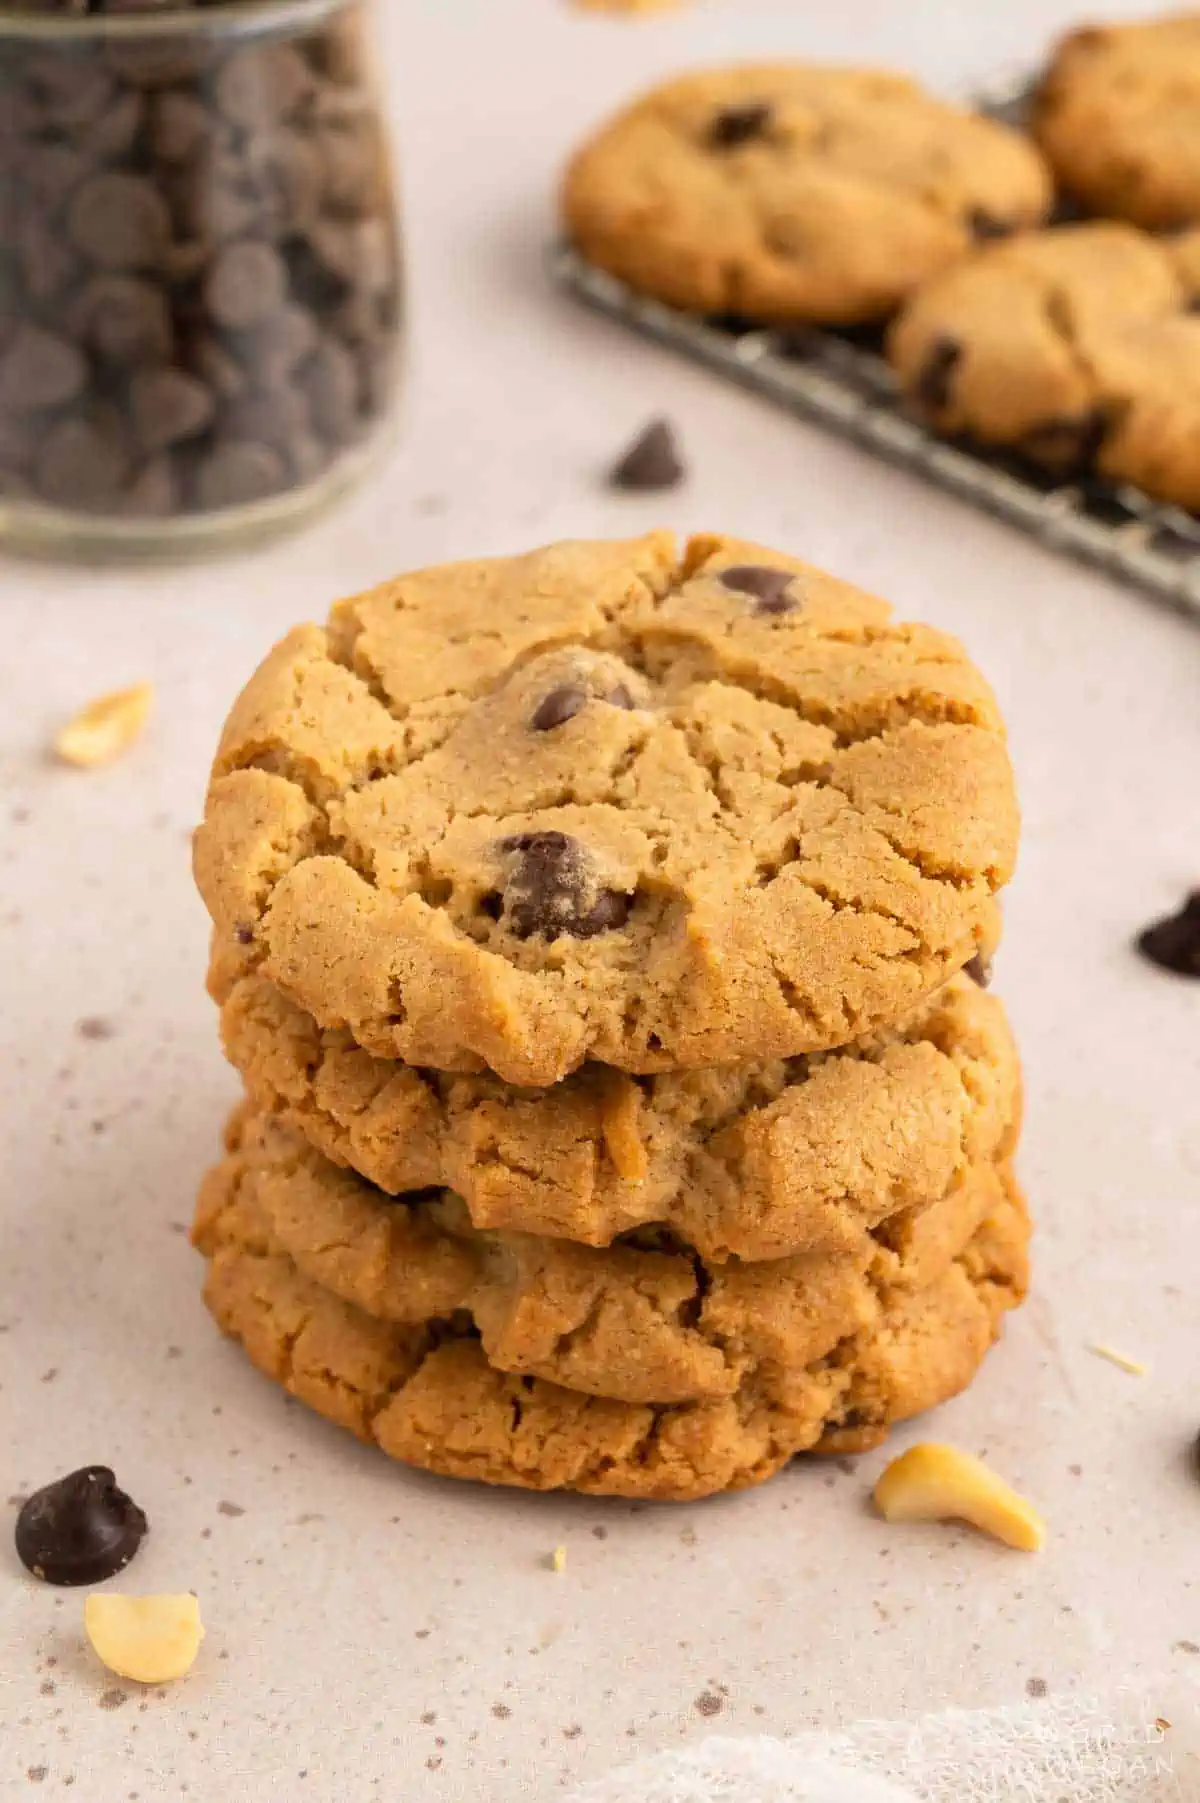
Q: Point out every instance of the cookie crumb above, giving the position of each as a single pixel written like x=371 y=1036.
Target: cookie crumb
x=1133 y=1367
x=1036 y=1687
x=94 y=1026
x=106 y=727
x=231 y=1509
x=708 y=1703
x=651 y=463
x=558 y=1559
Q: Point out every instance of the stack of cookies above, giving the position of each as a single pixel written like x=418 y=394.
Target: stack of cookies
x=600 y=936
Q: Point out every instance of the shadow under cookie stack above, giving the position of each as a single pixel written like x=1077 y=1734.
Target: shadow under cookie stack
x=600 y=936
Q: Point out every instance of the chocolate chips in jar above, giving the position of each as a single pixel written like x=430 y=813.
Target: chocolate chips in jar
x=199 y=263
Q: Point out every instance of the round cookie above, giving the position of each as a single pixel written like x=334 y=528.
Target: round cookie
x=636 y=1322
x=430 y=1399
x=754 y=1161
x=609 y=801
x=787 y=193
x=1118 y=115
x=1077 y=347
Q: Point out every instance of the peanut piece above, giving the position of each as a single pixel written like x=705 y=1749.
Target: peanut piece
x=105 y=727
x=148 y=1638
x=931 y=1482
x=558 y=1559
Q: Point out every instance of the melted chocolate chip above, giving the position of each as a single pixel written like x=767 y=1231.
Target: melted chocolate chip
x=562 y=704
x=652 y=461
x=933 y=381
x=80 y=1529
x=735 y=125
x=1174 y=943
x=984 y=225
x=551 y=892
x=1067 y=446
x=979 y=969
x=768 y=587
x=559 y=706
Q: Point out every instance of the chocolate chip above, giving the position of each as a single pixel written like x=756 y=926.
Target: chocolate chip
x=735 y=125
x=124 y=319
x=274 y=417
x=331 y=384
x=166 y=407
x=262 y=83
x=979 y=969
x=1174 y=943
x=562 y=704
x=559 y=706
x=246 y=283
x=769 y=587
x=651 y=462
x=120 y=221
x=83 y=463
x=79 y=1530
x=985 y=226
x=932 y=387
x=1067 y=446
x=39 y=369
x=237 y=473
x=551 y=890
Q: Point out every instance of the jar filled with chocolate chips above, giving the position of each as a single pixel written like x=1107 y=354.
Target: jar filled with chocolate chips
x=200 y=300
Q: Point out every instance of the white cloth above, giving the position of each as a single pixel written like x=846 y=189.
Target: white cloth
x=1061 y=1751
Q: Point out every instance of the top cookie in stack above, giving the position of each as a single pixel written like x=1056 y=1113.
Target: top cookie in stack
x=609 y=801
x=604 y=905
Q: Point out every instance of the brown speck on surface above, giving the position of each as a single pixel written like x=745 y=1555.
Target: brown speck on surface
x=708 y=1703
x=421 y=1634
x=48 y=1377
x=206 y=1533
x=94 y=1026
x=846 y=1465
x=19 y=816
x=431 y=504
x=687 y=1537
x=1186 y=1646
x=174 y=1352
x=501 y=1711
x=37 y=1774
x=47 y=1687
x=181 y=1227
x=433 y=1762
x=429 y=1717
x=113 y=1699
x=573 y=1732
x=1075 y=1470
x=231 y=1509
x=1036 y=1687
x=599 y=1533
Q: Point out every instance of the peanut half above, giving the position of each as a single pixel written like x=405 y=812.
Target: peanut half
x=931 y=1482
x=148 y=1638
x=105 y=727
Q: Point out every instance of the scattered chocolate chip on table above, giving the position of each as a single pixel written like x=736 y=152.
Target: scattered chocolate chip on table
x=81 y=1529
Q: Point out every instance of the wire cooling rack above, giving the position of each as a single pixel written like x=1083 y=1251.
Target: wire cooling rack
x=841 y=380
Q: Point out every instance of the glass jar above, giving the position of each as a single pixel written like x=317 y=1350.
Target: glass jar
x=200 y=291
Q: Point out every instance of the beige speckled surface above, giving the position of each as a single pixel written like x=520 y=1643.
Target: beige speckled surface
x=391 y=1638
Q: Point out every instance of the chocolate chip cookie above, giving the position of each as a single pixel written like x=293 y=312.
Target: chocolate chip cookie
x=427 y=1395
x=755 y=1161
x=1077 y=347
x=1118 y=115
x=791 y=193
x=643 y=1321
x=614 y=801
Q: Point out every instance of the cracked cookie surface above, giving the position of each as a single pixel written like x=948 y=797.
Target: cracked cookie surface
x=1078 y=347
x=643 y=1321
x=789 y=193
x=754 y=1161
x=1118 y=115
x=609 y=801
x=428 y=1396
